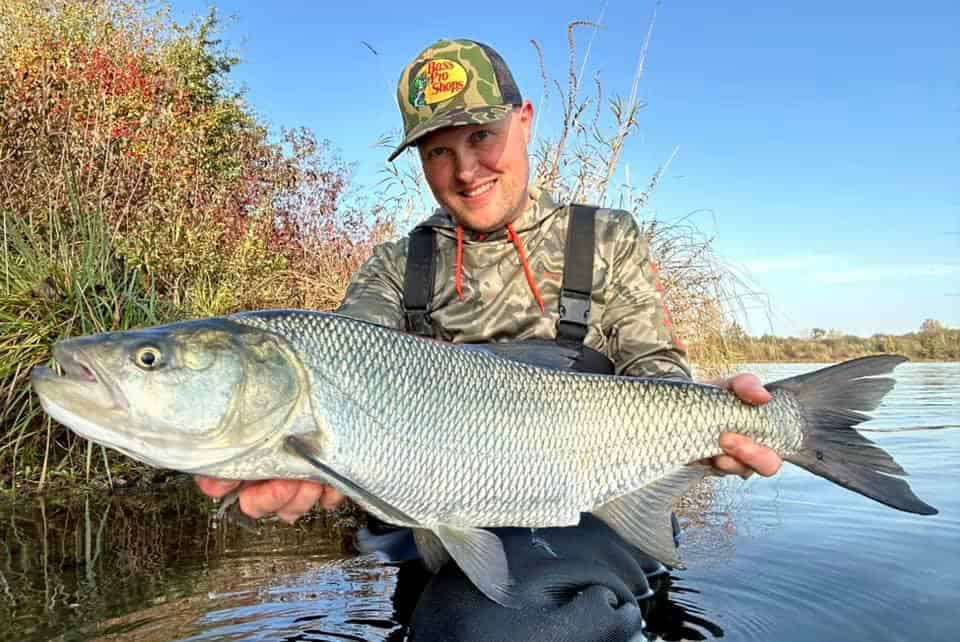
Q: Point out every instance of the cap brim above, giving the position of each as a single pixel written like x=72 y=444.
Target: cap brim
x=467 y=116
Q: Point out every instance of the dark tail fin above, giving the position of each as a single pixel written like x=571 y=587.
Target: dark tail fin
x=832 y=400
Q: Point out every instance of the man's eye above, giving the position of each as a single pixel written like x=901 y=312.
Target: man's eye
x=435 y=153
x=481 y=135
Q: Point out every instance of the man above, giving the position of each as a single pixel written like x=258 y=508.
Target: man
x=500 y=255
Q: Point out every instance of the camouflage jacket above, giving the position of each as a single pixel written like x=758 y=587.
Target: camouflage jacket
x=628 y=321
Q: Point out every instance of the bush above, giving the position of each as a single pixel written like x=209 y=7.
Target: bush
x=137 y=187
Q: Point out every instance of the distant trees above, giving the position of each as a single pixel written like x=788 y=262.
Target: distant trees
x=933 y=342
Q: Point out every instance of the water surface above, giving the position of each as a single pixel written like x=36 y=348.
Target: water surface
x=789 y=558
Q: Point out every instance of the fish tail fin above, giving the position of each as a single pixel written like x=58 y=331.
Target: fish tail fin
x=833 y=401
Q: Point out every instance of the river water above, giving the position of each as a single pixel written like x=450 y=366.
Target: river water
x=788 y=558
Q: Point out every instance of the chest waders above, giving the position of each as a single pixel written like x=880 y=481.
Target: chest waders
x=575 y=291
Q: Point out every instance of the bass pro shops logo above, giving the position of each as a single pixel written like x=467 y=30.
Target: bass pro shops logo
x=436 y=80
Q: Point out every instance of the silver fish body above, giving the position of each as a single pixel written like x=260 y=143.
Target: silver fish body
x=453 y=434
x=448 y=439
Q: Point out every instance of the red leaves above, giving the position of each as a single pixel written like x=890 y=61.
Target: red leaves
x=131 y=123
x=122 y=76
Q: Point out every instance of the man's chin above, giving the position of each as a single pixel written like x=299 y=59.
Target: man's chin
x=486 y=218
x=480 y=220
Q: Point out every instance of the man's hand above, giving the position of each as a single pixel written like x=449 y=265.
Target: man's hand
x=743 y=455
x=289 y=499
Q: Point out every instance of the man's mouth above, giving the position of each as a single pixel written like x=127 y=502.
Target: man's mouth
x=478 y=191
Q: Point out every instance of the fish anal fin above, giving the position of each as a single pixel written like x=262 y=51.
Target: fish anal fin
x=480 y=555
x=642 y=517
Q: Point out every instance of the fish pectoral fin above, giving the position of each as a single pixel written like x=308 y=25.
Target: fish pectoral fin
x=431 y=549
x=303 y=448
x=480 y=555
x=642 y=517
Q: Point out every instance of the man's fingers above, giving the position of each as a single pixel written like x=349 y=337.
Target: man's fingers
x=289 y=499
x=263 y=498
x=215 y=487
x=331 y=497
x=750 y=454
x=749 y=389
x=730 y=466
x=308 y=494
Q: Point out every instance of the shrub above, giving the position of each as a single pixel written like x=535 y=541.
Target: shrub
x=137 y=187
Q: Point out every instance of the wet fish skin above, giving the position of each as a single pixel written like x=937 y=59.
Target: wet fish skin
x=450 y=439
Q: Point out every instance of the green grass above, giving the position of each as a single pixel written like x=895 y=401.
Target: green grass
x=60 y=276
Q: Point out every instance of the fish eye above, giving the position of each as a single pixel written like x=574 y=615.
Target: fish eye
x=148 y=357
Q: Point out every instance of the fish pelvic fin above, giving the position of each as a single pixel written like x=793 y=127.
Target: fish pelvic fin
x=833 y=400
x=642 y=517
x=480 y=555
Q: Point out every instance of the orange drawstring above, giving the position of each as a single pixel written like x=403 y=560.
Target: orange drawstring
x=518 y=245
x=458 y=270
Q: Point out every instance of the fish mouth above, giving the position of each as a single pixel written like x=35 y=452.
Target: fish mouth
x=81 y=395
x=74 y=368
x=78 y=376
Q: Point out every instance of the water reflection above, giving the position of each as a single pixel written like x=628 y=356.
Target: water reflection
x=155 y=567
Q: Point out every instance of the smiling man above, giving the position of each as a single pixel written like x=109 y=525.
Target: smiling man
x=500 y=261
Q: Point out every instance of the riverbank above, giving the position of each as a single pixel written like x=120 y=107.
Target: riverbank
x=931 y=344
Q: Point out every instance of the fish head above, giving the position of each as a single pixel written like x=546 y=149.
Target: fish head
x=187 y=396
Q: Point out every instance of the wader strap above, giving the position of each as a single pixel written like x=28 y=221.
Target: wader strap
x=418 y=281
x=577 y=275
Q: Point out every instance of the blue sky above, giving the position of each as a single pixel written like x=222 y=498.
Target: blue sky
x=819 y=142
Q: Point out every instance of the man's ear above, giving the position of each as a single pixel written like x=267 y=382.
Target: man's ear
x=526 y=119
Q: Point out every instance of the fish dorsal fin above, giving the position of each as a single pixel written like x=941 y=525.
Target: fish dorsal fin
x=431 y=549
x=643 y=517
x=304 y=448
x=481 y=557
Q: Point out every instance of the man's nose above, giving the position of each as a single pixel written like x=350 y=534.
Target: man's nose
x=466 y=166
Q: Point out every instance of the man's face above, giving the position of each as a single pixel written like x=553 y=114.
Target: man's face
x=479 y=173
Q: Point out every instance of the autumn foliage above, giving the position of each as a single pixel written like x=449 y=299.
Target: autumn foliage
x=136 y=187
x=130 y=116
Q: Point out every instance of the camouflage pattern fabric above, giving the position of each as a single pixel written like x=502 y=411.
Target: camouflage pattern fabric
x=628 y=320
x=450 y=83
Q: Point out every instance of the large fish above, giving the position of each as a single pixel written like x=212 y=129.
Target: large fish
x=448 y=439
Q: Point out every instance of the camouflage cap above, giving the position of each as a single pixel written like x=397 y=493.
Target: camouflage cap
x=450 y=83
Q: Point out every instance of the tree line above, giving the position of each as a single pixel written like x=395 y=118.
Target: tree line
x=933 y=342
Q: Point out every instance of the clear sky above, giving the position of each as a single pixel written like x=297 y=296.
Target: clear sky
x=818 y=140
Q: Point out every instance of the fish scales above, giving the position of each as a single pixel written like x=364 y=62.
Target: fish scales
x=468 y=426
